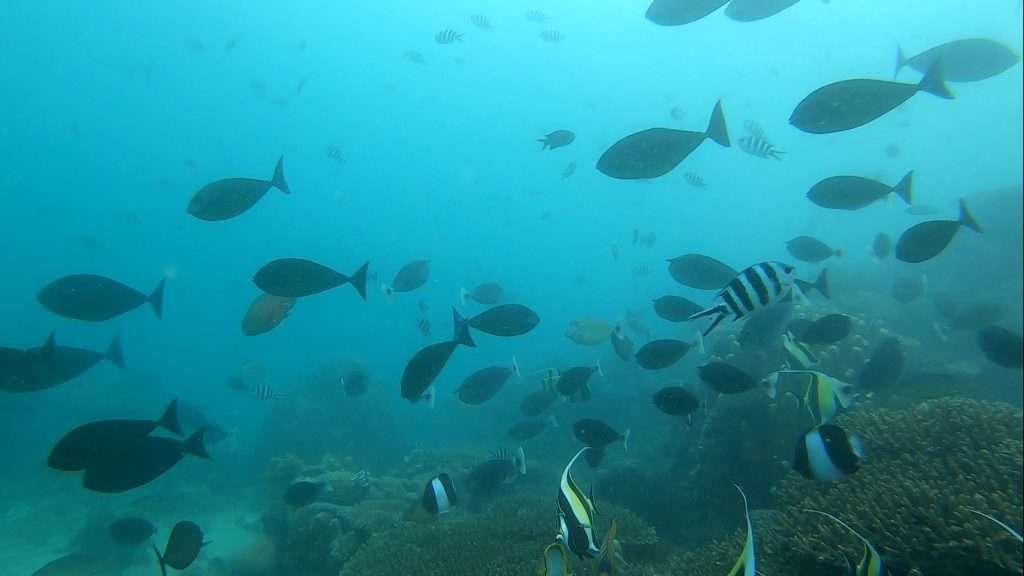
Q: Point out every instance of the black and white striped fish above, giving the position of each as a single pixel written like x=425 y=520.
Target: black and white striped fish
x=694 y=179
x=447 y=37
x=264 y=392
x=481 y=21
x=756 y=144
x=551 y=35
x=756 y=287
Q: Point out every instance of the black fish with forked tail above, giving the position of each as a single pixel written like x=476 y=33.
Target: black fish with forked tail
x=297 y=277
x=927 y=240
x=95 y=298
x=183 y=546
x=225 y=199
x=425 y=366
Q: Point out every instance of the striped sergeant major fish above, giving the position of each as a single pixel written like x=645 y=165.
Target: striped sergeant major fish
x=823 y=395
x=756 y=287
x=576 y=515
x=264 y=392
x=871 y=563
x=756 y=143
x=746 y=564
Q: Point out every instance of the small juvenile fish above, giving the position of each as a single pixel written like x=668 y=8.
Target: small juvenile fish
x=264 y=392
x=756 y=144
x=694 y=179
x=557 y=139
x=481 y=21
x=570 y=169
x=447 y=37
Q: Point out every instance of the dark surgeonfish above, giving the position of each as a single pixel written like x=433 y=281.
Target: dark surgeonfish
x=77 y=449
x=676 y=308
x=810 y=249
x=657 y=151
x=725 y=378
x=679 y=12
x=303 y=492
x=854 y=192
x=51 y=365
x=1001 y=346
x=927 y=240
x=574 y=383
x=485 y=478
x=505 y=320
x=764 y=327
x=828 y=329
x=296 y=277
x=131 y=531
x=884 y=367
x=425 y=366
x=751 y=10
x=851 y=103
x=676 y=401
x=597 y=434
x=183 y=546
x=871 y=563
x=228 y=198
x=881 y=246
x=409 y=277
x=136 y=461
x=488 y=293
x=967 y=60
x=532 y=427
x=756 y=287
x=700 y=272
x=827 y=453
x=482 y=385
x=96 y=298
x=576 y=514
x=622 y=344
x=439 y=494
x=660 y=354
x=265 y=313
x=557 y=139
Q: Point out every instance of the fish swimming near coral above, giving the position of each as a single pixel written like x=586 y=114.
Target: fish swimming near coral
x=439 y=495
x=662 y=353
x=798 y=355
x=871 y=563
x=532 y=427
x=754 y=288
x=482 y=385
x=574 y=383
x=303 y=492
x=95 y=298
x=225 y=199
x=827 y=453
x=576 y=515
x=746 y=564
x=849 y=104
x=485 y=478
x=824 y=395
x=597 y=434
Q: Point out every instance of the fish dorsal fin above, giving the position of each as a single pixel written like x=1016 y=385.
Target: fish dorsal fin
x=871 y=555
x=1002 y=525
x=746 y=564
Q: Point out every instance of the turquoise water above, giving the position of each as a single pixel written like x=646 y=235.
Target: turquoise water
x=115 y=114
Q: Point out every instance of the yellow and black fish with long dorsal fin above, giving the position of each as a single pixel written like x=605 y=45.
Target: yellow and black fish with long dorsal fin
x=576 y=515
x=870 y=563
x=746 y=564
x=823 y=395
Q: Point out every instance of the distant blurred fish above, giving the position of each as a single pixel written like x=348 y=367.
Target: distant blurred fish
x=540 y=400
x=414 y=57
x=481 y=21
x=884 y=367
x=756 y=143
x=764 y=327
x=675 y=308
x=505 y=320
x=1001 y=346
x=676 y=401
x=588 y=331
x=424 y=326
x=264 y=392
x=641 y=271
x=424 y=306
x=551 y=36
x=409 y=277
x=622 y=345
x=570 y=169
x=725 y=378
x=660 y=354
x=828 y=329
x=482 y=385
x=447 y=37
x=487 y=293
x=967 y=60
x=694 y=179
x=700 y=272
x=677 y=113
x=531 y=428
x=557 y=139
x=334 y=153
x=574 y=383
x=231 y=197
x=504 y=466
x=355 y=383
x=536 y=16
x=810 y=249
x=882 y=245
x=635 y=322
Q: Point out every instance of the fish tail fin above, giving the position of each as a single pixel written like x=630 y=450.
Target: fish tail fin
x=194 y=444
x=114 y=352
x=903 y=188
x=358 y=280
x=719 y=311
x=934 y=83
x=600 y=371
x=553 y=421
x=156 y=299
x=461 y=334
x=625 y=438
x=966 y=219
x=515 y=368
x=520 y=461
x=160 y=559
x=901 y=61
x=717 y=130
x=169 y=419
x=544 y=143
x=278 y=181
x=820 y=284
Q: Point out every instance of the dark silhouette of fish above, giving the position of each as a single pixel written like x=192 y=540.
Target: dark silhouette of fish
x=660 y=354
x=505 y=320
x=657 y=151
x=95 y=298
x=447 y=37
x=557 y=139
x=700 y=272
x=425 y=366
x=231 y=197
x=183 y=546
x=966 y=60
x=927 y=240
x=751 y=10
x=51 y=365
x=810 y=249
x=409 y=277
x=138 y=461
x=265 y=313
x=851 y=103
x=854 y=192
x=676 y=308
x=1001 y=346
x=296 y=277
x=679 y=12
